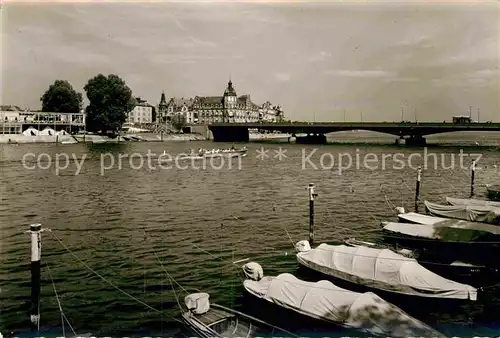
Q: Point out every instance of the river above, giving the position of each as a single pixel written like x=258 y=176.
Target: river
x=136 y=225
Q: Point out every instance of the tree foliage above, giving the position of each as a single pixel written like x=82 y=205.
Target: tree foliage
x=61 y=98
x=178 y=121
x=110 y=102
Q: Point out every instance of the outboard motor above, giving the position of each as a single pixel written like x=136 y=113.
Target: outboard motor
x=198 y=303
x=400 y=210
x=253 y=271
x=302 y=246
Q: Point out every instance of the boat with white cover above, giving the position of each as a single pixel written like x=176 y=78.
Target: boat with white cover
x=448 y=230
x=457 y=270
x=472 y=213
x=416 y=218
x=380 y=269
x=471 y=202
x=450 y=240
x=327 y=303
x=212 y=320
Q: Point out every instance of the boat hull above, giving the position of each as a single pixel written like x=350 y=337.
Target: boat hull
x=293 y=321
x=415 y=306
x=220 y=321
x=481 y=253
x=493 y=192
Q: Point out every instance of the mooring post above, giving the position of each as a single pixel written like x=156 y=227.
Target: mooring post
x=311 y=213
x=417 y=188
x=473 y=171
x=36 y=238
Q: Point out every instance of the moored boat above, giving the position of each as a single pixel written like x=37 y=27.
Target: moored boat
x=448 y=230
x=457 y=270
x=212 y=320
x=471 y=202
x=451 y=240
x=381 y=269
x=416 y=218
x=493 y=191
x=325 y=303
x=472 y=213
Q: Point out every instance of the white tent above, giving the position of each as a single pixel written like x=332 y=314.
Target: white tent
x=382 y=269
x=48 y=131
x=62 y=132
x=325 y=301
x=31 y=132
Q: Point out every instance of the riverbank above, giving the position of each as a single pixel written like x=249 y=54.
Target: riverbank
x=139 y=137
x=142 y=137
x=21 y=139
x=71 y=139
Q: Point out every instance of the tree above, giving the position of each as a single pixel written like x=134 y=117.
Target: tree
x=61 y=98
x=178 y=121
x=110 y=102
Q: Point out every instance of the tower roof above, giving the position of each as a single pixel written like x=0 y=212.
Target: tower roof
x=230 y=90
x=163 y=100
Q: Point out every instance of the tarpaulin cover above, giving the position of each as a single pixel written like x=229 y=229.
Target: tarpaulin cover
x=413 y=217
x=473 y=213
x=325 y=301
x=383 y=269
x=449 y=230
x=471 y=202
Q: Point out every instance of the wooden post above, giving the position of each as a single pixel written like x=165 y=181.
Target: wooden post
x=473 y=171
x=36 y=237
x=312 y=195
x=417 y=188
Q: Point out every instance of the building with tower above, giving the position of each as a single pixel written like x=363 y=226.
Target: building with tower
x=162 y=109
x=229 y=108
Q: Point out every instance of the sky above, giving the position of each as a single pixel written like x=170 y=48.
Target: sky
x=319 y=61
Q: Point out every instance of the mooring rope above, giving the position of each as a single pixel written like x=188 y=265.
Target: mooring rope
x=171 y=281
x=63 y=316
x=100 y=276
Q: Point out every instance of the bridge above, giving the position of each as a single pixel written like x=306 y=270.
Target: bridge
x=411 y=133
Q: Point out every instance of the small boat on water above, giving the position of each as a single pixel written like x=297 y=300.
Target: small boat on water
x=416 y=218
x=471 y=202
x=380 y=269
x=447 y=230
x=451 y=240
x=231 y=152
x=472 y=213
x=213 y=320
x=493 y=191
x=457 y=270
x=327 y=304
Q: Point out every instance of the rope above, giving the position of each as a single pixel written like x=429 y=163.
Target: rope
x=171 y=281
x=104 y=279
x=63 y=316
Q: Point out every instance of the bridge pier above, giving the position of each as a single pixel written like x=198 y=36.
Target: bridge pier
x=230 y=134
x=416 y=140
x=311 y=139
